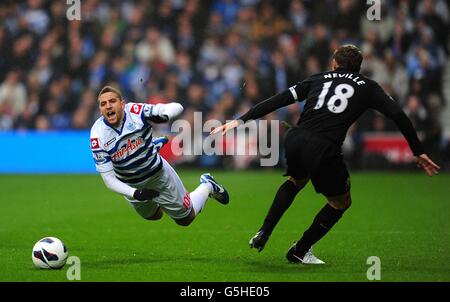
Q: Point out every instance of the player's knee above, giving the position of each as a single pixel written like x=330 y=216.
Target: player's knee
x=183 y=222
x=187 y=220
x=157 y=216
x=341 y=202
x=299 y=183
x=154 y=217
x=347 y=203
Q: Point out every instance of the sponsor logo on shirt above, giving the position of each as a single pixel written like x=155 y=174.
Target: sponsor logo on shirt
x=110 y=142
x=127 y=149
x=94 y=143
x=136 y=108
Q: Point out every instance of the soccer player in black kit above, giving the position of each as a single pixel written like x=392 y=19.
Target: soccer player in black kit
x=334 y=100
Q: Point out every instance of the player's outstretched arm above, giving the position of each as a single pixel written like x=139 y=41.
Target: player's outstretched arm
x=424 y=162
x=386 y=105
x=163 y=113
x=117 y=186
x=226 y=127
x=267 y=106
x=408 y=131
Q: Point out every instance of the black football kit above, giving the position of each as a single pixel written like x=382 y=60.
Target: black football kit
x=334 y=100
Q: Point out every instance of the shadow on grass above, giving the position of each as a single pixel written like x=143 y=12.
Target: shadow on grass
x=284 y=267
x=241 y=264
x=151 y=260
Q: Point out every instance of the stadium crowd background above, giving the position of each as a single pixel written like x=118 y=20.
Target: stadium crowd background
x=218 y=57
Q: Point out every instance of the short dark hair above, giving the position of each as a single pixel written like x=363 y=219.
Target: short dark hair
x=110 y=89
x=348 y=57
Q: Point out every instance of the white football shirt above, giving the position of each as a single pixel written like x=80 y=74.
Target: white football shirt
x=128 y=150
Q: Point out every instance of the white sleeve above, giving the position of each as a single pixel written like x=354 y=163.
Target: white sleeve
x=101 y=157
x=116 y=185
x=102 y=161
x=171 y=110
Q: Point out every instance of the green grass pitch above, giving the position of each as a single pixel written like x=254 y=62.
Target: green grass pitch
x=404 y=219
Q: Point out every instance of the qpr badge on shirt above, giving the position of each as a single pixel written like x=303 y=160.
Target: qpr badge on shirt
x=131 y=126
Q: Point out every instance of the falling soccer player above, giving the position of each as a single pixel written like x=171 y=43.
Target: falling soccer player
x=129 y=162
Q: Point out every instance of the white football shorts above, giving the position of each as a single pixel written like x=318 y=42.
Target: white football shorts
x=173 y=198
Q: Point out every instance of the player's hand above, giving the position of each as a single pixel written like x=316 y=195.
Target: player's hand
x=424 y=162
x=145 y=194
x=224 y=128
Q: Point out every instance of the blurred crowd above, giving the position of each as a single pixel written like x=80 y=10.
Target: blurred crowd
x=218 y=57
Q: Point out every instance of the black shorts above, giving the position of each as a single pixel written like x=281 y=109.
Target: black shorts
x=308 y=155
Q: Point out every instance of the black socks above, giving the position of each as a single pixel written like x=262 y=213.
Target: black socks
x=323 y=222
x=282 y=201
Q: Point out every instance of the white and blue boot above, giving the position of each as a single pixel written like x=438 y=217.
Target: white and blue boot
x=219 y=192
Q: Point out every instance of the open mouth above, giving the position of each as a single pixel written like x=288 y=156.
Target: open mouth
x=110 y=114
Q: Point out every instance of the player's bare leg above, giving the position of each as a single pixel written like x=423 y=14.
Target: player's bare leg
x=198 y=198
x=208 y=187
x=156 y=216
x=187 y=220
x=323 y=222
x=282 y=201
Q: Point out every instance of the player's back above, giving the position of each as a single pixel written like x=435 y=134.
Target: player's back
x=333 y=102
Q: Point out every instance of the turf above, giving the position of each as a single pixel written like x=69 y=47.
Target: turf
x=401 y=218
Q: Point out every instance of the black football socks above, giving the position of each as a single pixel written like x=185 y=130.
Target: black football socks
x=282 y=201
x=323 y=222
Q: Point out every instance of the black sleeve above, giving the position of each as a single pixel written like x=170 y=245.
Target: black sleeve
x=383 y=103
x=301 y=90
x=158 y=119
x=271 y=104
